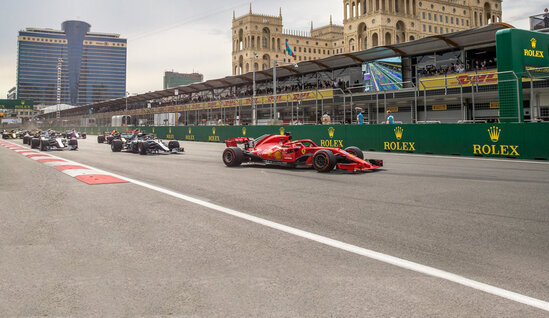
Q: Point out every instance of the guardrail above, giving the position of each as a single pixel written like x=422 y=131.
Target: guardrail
x=520 y=141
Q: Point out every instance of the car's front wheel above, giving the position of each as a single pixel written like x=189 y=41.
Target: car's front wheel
x=35 y=143
x=143 y=147
x=355 y=151
x=116 y=145
x=324 y=161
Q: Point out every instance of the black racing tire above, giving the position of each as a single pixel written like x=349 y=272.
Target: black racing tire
x=83 y=136
x=324 y=161
x=233 y=157
x=143 y=148
x=110 y=139
x=43 y=146
x=4 y=136
x=355 y=151
x=100 y=139
x=35 y=143
x=73 y=142
x=174 y=144
x=26 y=140
x=116 y=146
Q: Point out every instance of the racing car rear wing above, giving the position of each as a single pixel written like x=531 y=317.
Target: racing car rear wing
x=233 y=142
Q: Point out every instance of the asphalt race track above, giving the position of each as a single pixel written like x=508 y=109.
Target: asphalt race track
x=187 y=236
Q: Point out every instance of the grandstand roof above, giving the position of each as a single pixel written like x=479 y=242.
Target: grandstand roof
x=473 y=37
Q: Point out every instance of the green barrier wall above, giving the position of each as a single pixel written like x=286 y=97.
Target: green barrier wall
x=521 y=141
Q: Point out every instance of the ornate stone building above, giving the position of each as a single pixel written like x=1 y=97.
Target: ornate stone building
x=366 y=24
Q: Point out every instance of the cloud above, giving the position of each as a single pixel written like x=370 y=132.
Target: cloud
x=183 y=35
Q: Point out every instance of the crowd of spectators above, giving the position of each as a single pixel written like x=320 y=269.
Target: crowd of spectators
x=458 y=68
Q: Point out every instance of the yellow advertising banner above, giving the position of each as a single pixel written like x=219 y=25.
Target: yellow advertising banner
x=455 y=81
x=440 y=107
x=261 y=100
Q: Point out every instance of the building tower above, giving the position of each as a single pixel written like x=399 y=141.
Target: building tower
x=257 y=33
x=70 y=66
x=366 y=24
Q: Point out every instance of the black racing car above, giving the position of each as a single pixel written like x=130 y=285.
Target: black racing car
x=9 y=134
x=53 y=141
x=145 y=144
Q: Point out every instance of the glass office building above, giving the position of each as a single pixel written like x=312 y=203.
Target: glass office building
x=72 y=66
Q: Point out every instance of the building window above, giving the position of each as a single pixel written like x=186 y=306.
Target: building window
x=430 y=28
x=424 y=28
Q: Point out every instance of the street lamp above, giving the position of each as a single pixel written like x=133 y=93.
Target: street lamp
x=275 y=63
x=127 y=94
x=254 y=109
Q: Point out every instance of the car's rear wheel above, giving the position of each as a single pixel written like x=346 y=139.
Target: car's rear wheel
x=355 y=151
x=116 y=145
x=100 y=139
x=25 y=140
x=110 y=139
x=233 y=157
x=324 y=161
x=84 y=136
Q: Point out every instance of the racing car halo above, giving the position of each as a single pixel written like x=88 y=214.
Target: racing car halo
x=281 y=150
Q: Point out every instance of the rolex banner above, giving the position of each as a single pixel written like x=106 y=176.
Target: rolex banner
x=519 y=141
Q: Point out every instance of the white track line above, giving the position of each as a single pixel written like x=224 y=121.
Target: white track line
x=399 y=262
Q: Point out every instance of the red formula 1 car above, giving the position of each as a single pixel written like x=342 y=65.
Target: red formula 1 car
x=281 y=150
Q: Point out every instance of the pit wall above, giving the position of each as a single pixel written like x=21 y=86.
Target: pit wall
x=511 y=140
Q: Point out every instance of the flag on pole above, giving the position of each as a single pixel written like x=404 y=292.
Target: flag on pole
x=289 y=50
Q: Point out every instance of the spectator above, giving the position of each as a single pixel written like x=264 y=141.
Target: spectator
x=390 y=118
x=359 y=117
x=546 y=17
x=326 y=120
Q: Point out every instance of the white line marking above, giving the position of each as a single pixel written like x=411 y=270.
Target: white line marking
x=399 y=262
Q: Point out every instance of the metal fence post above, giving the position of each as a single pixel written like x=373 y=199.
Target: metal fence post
x=533 y=110
x=472 y=100
x=377 y=108
x=414 y=111
x=424 y=100
x=461 y=99
x=518 y=98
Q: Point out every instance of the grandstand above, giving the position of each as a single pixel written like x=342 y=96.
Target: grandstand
x=443 y=78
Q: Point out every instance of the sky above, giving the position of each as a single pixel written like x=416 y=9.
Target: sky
x=179 y=35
